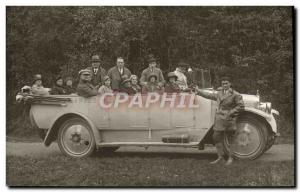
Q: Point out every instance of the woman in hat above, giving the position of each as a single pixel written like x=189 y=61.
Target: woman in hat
x=37 y=87
x=152 y=85
x=69 y=86
x=58 y=88
x=172 y=86
x=126 y=87
x=180 y=73
x=134 y=83
x=106 y=87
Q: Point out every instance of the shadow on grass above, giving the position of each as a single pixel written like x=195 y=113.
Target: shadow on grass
x=167 y=155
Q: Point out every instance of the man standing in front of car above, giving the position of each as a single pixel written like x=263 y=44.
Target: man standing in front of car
x=229 y=104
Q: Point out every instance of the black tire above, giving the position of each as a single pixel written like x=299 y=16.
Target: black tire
x=76 y=138
x=271 y=140
x=249 y=140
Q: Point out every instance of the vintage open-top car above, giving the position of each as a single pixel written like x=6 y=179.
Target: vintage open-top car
x=106 y=122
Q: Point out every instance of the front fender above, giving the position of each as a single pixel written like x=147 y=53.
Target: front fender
x=268 y=117
x=52 y=132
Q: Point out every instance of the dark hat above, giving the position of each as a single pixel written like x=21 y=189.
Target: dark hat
x=69 y=78
x=105 y=78
x=125 y=79
x=225 y=78
x=152 y=75
x=151 y=59
x=95 y=58
x=37 y=77
x=172 y=74
x=58 y=78
x=85 y=71
x=182 y=64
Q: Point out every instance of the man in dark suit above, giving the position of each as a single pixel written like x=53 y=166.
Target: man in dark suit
x=98 y=72
x=117 y=73
x=229 y=104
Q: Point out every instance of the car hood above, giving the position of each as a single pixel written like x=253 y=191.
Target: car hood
x=250 y=100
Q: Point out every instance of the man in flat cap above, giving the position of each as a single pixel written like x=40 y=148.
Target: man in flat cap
x=85 y=87
x=152 y=69
x=98 y=73
x=229 y=104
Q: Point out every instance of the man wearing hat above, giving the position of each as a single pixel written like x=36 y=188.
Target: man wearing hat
x=37 y=87
x=229 y=104
x=85 y=87
x=98 y=72
x=152 y=69
x=118 y=72
x=181 y=78
x=152 y=85
x=171 y=85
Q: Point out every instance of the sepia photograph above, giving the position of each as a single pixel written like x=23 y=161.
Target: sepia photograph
x=150 y=96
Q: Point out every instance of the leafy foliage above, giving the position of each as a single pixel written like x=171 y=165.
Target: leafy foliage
x=254 y=45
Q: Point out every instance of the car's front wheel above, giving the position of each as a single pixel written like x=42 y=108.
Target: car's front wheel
x=76 y=138
x=248 y=141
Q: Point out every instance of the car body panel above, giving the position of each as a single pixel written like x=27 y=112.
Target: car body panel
x=137 y=125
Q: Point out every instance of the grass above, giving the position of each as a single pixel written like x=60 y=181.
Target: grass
x=141 y=170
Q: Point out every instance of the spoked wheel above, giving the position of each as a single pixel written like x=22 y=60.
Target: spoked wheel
x=248 y=141
x=76 y=138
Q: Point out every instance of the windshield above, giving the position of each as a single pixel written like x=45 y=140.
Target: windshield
x=202 y=78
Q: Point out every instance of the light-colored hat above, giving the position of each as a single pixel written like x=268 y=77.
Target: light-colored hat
x=26 y=87
x=85 y=72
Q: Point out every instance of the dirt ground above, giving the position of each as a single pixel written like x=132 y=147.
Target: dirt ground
x=281 y=152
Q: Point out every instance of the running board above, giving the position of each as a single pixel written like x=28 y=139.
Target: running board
x=145 y=144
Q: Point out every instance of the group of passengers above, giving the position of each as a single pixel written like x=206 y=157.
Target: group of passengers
x=95 y=80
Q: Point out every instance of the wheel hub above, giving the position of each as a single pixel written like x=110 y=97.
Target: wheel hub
x=76 y=137
x=243 y=139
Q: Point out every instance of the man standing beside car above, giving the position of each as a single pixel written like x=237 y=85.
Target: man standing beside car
x=229 y=104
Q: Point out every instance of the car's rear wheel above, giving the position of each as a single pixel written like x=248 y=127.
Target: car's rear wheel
x=76 y=138
x=248 y=141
